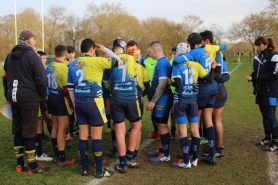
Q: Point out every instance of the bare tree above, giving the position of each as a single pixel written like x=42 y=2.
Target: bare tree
x=218 y=33
x=54 y=26
x=251 y=27
x=76 y=29
x=111 y=20
x=192 y=23
x=7 y=35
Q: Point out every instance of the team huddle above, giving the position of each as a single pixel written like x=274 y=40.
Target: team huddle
x=94 y=89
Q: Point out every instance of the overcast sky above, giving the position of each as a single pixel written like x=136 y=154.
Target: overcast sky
x=222 y=12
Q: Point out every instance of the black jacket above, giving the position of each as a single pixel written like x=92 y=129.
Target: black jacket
x=25 y=80
x=265 y=74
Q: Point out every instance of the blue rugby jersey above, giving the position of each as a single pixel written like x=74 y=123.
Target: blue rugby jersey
x=202 y=56
x=189 y=73
x=123 y=79
x=162 y=70
x=86 y=73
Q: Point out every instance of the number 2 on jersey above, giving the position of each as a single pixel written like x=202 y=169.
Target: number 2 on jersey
x=80 y=73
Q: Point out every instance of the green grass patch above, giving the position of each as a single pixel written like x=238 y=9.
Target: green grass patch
x=244 y=163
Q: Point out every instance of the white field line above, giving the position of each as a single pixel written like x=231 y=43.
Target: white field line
x=238 y=64
x=111 y=166
x=273 y=161
x=273 y=168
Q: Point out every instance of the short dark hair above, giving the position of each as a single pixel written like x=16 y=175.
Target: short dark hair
x=131 y=43
x=174 y=48
x=41 y=53
x=157 y=45
x=86 y=45
x=193 y=39
x=207 y=35
x=70 y=49
x=60 y=50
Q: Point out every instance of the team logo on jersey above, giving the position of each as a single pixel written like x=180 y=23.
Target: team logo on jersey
x=207 y=53
x=80 y=65
x=124 y=59
x=52 y=68
x=186 y=64
x=159 y=107
x=264 y=60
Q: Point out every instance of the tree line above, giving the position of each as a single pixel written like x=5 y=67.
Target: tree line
x=107 y=21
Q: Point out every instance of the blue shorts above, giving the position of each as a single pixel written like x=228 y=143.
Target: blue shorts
x=90 y=112
x=206 y=101
x=163 y=105
x=56 y=105
x=43 y=107
x=182 y=111
x=221 y=97
x=266 y=101
x=125 y=110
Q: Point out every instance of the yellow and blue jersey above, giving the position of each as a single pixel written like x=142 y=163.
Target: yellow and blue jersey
x=85 y=74
x=57 y=76
x=142 y=76
x=123 y=79
x=202 y=56
x=162 y=71
x=213 y=49
x=189 y=73
x=66 y=62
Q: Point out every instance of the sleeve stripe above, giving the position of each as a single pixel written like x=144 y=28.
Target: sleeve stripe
x=178 y=76
x=274 y=58
x=186 y=59
x=163 y=77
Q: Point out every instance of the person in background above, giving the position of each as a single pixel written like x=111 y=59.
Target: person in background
x=43 y=106
x=43 y=114
x=150 y=64
x=59 y=104
x=139 y=57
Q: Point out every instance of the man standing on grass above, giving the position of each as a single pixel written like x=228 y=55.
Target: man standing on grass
x=124 y=105
x=59 y=104
x=25 y=84
x=206 y=91
x=84 y=82
x=221 y=77
x=161 y=101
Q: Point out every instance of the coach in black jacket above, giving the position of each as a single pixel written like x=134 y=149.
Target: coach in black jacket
x=25 y=85
x=265 y=82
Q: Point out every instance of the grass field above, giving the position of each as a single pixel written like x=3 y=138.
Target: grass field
x=243 y=162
